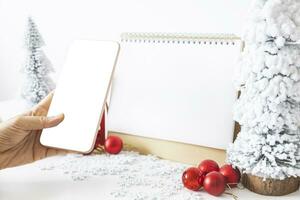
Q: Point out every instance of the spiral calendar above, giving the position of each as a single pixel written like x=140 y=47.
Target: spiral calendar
x=175 y=87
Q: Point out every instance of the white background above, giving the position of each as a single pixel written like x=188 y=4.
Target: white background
x=61 y=21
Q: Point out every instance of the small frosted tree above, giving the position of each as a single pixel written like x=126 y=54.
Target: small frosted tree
x=268 y=109
x=37 y=83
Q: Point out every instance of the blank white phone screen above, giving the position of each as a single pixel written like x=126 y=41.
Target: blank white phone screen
x=81 y=94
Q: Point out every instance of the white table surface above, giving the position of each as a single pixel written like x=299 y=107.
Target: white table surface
x=29 y=182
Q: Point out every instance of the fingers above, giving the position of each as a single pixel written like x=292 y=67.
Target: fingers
x=38 y=122
x=45 y=103
x=41 y=109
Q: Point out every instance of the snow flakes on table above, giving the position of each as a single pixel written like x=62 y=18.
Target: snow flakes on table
x=140 y=177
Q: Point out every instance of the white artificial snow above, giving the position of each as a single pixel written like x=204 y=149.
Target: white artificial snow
x=140 y=177
x=268 y=109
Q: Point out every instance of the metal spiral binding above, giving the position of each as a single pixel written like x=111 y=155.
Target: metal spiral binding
x=180 y=38
x=293 y=43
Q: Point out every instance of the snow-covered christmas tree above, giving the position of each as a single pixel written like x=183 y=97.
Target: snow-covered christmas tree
x=268 y=109
x=37 y=83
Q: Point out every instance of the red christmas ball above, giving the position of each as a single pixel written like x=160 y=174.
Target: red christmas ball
x=113 y=144
x=193 y=178
x=214 y=183
x=207 y=166
x=232 y=175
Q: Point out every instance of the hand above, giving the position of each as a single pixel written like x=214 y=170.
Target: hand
x=20 y=136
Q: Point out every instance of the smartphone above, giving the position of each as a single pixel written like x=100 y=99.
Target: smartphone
x=81 y=94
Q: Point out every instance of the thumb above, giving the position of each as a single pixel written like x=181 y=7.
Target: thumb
x=38 y=122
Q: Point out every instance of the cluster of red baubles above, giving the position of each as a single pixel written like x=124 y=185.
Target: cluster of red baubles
x=212 y=178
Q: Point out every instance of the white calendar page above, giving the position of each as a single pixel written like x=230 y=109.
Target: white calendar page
x=176 y=90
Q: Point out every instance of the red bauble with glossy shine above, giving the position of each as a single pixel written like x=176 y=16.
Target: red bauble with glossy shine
x=193 y=178
x=113 y=144
x=207 y=166
x=232 y=175
x=214 y=183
